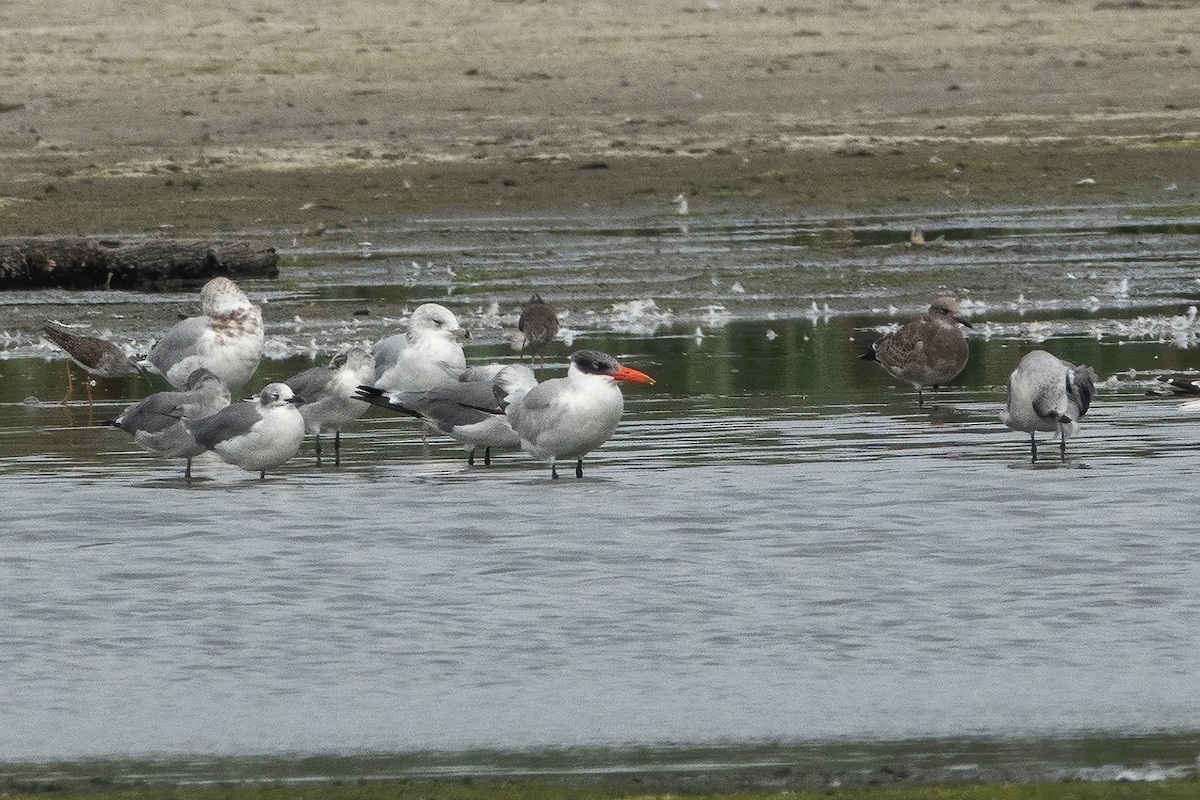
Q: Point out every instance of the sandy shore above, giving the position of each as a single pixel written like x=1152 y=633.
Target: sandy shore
x=121 y=115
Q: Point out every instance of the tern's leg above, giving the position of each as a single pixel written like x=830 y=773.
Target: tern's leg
x=920 y=398
x=187 y=471
x=88 y=383
x=1033 y=448
x=553 y=471
x=317 y=439
x=262 y=476
x=337 y=448
x=579 y=468
x=1062 y=449
x=471 y=457
x=487 y=456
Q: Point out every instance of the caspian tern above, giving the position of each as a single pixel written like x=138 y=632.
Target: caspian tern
x=1046 y=393
x=157 y=423
x=469 y=412
x=227 y=339
x=329 y=395
x=929 y=351
x=428 y=354
x=255 y=436
x=572 y=416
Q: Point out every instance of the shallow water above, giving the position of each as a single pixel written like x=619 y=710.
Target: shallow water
x=777 y=546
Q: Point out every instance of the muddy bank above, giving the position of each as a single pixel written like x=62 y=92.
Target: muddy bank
x=214 y=117
x=863 y=177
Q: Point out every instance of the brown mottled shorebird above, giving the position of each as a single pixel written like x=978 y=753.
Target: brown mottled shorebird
x=98 y=357
x=538 y=323
x=929 y=351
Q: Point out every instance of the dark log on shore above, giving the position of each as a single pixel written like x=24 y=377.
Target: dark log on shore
x=151 y=264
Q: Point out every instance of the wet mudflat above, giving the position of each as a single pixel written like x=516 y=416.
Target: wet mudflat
x=778 y=545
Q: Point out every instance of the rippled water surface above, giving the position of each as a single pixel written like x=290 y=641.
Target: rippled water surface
x=777 y=546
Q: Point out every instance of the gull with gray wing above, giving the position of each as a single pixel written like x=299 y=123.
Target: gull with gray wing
x=256 y=435
x=328 y=395
x=157 y=423
x=227 y=339
x=1046 y=393
x=428 y=354
x=470 y=412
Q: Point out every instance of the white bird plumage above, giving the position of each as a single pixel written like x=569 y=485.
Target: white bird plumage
x=328 y=395
x=227 y=339
x=428 y=354
x=255 y=436
x=572 y=416
x=1046 y=393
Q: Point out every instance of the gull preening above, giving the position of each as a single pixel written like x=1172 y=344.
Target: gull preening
x=328 y=396
x=227 y=339
x=257 y=435
x=158 y=422
x=428 y=354
x=1046 y=393
x=929 y=351
x=567 y=418
x=470 y=412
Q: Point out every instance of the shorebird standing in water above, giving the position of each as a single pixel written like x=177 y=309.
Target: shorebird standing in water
x=96 y=356
x=538 y=324
x=929 y=351
x=1046 y=393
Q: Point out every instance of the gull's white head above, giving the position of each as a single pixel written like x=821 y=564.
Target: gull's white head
x=221 y=297
x=277 y=395
x=431 y=319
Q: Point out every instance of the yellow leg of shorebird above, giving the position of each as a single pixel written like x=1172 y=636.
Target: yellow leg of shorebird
x=70 y=386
